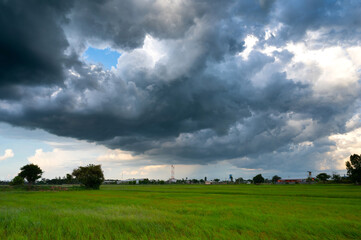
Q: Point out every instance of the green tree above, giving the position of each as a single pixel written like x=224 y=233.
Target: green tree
x=90 y=176
x=31 y=173
x=275 y=178
x=17 y=181
x=323 y=177
x=258 y=179
x=144 y=181
x=194 y=181
x=336 y=178
x=69 y=178
x=354 y=168
x=216 y=180
x=239 y=180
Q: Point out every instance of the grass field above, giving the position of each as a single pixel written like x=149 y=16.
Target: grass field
x=184 y=212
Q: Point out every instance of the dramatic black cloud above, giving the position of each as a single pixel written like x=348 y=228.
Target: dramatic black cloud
x=32 y=42
x=199 y=98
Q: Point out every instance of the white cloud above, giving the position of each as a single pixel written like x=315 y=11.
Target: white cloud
x=8 y=154
x=346 y=144
x=65 y=157
x=249 y=42
x=140 y=59
x=327 y=69
x=330 y=71
x=116 y=156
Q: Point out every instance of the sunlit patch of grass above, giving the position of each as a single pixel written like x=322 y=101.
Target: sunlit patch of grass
x=184 y=212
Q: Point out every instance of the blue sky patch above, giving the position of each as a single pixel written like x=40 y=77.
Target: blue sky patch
x=107 y=57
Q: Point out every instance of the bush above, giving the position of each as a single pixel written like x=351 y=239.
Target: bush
x=323 y=177
x=258 y=179
x=90 y=176
x=17 y=181
x=336 y=178
x=275 y=178
x=354 y=168
x=31 y=173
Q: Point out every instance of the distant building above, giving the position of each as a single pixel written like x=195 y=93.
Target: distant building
x=136 y=181
x=172 y=180
x=110 y=181
x=309 y=179
x=295 y=180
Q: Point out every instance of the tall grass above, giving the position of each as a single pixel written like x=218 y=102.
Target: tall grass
x=184 y=212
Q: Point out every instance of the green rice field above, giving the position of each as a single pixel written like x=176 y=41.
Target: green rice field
x=184 y=212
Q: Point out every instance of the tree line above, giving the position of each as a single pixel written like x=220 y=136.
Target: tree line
x=91 y=176
x=353 y=167
x=322 y=177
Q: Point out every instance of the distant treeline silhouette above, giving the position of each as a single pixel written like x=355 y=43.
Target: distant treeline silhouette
x=91 y=176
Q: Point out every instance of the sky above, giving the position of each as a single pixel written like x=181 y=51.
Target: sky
x=213 y=87
x=105 y=57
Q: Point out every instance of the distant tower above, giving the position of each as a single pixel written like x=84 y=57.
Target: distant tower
x=172 y=172
x=309 y=179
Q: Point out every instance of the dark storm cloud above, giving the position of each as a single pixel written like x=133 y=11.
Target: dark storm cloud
x=338 y=19
x=124 y=24
x=201 y=102
x=32 y=42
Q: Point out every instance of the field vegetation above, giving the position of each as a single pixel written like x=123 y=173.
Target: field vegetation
x=319 y=211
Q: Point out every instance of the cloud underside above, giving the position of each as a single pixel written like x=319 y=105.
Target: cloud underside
x=263 y=84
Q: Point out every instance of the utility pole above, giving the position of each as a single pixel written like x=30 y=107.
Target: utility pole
x=172 y=172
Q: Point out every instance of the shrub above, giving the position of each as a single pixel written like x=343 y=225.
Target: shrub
x=258 y=179
x=354 y=168
x=275 y=178
x=90 y=176
x=31 y=173
x=17 y=181
x=323 y=177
